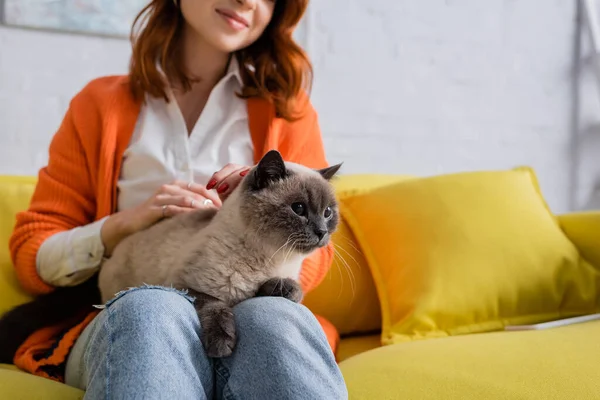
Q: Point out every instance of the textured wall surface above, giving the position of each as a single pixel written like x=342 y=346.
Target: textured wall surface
x=401 y=86
x=39 y=74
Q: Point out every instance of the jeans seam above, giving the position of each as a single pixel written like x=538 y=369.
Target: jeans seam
x=223 y=372
x=111 y=339
x=87 y=352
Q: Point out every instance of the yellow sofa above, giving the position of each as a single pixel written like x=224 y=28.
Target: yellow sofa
x=559 y=363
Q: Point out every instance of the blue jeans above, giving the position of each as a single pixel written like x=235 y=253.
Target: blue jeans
x=145 y=345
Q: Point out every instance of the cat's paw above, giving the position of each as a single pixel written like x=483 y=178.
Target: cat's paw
x=281 y=287
x=218 y=331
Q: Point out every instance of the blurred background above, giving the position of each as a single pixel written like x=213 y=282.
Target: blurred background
x=418 y=87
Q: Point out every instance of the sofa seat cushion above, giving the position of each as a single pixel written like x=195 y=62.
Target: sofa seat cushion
x=351 y=346
x=15 y=384
x=559 y=363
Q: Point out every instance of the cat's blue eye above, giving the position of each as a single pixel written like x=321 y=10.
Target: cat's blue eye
x=299 y=208
x=328 y=213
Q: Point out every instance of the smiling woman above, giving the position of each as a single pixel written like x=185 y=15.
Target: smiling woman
x=260 y=36
x=213 y=86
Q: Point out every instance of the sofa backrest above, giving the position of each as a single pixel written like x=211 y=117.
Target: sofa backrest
x=15 y=193
x=346 y=297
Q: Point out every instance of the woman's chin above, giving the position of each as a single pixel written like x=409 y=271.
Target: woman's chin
x=225 y=42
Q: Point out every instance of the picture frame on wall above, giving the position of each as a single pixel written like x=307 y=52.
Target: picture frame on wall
x=94 y=17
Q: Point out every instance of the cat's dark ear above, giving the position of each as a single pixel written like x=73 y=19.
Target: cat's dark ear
x=270 y=168
x=329 y=172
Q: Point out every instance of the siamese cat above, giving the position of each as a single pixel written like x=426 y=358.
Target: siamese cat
x=253 y=246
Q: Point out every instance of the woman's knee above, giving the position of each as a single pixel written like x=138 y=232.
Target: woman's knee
x=150 y=333
x=277 y=320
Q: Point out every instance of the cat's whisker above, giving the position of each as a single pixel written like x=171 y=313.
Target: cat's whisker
x=350 y=275
x=348 y=269
x=277 y=251
x=282 y=246
x=337 y=258
x=337 y=264
x=346 y=251
x=290 y=251
x=351 y=243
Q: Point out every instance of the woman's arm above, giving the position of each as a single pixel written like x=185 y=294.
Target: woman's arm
x=56 y=241
x=71 y=257
x=63 y=200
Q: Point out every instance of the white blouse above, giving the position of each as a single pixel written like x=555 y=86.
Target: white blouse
x=159 y=152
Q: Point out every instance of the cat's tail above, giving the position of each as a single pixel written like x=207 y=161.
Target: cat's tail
x=63 y=303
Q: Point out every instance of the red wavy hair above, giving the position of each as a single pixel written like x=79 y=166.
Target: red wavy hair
x=274 y=67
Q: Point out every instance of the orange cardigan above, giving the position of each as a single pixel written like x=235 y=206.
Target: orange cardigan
x=78 y=186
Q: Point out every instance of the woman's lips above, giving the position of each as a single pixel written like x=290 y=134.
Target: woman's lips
x=233 y=19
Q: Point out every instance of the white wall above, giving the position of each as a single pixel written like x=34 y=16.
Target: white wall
x=446 y=85
x=39 y=73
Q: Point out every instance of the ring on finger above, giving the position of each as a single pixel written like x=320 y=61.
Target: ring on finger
x=207 y=202
x=164 y=208
x=192 y=203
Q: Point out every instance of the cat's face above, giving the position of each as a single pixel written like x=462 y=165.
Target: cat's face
x=290 y=205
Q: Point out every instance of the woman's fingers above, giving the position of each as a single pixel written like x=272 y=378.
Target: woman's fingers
x=170 y=210
x=192 y=190
x=180 y=196
x=169 y=205
x=179 y=200
x=203 y=192
x=231 y=182
x=227 y=179
x=218 y=179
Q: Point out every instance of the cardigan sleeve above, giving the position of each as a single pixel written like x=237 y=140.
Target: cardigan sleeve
x=71 y=257
x=62 y=200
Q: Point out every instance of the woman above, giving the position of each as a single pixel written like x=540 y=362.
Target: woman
x=134 y=149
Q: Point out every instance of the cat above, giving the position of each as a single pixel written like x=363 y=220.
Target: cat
x=253 y=246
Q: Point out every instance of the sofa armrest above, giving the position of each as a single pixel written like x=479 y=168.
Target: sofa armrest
x=583 y=229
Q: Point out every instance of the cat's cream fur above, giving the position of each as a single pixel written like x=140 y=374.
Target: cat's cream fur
x=254 y=245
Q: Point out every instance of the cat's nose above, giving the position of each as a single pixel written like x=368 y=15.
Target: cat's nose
x=320 y=233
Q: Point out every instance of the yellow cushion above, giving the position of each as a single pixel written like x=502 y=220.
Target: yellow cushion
x=347 y=296
x=468 y=252
x=554 y=364
x=15 y=384
x=15 y=193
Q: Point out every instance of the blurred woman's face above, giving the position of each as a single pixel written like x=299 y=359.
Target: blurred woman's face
x=227 y=25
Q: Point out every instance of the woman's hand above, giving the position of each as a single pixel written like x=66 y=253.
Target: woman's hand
x=171 y=199
x=227 y=179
